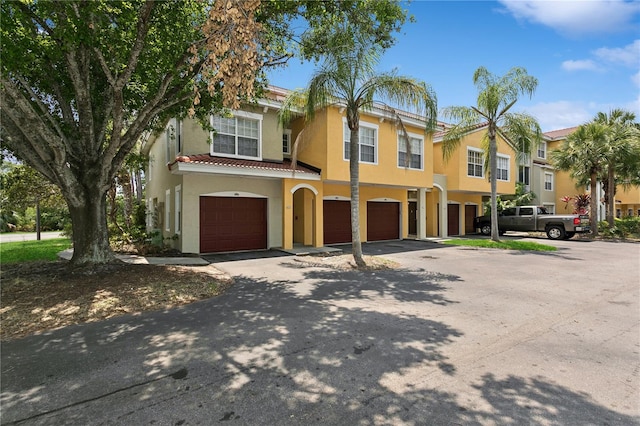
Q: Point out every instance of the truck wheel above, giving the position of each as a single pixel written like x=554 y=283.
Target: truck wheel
x=485 y=229
x=569 y=235
x=555 y=232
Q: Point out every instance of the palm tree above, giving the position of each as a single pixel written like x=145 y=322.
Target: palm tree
x=623 y=152
x=585 y=155
x=348 y=78
x=496 y=96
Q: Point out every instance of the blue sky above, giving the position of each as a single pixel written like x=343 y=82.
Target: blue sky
x=584 y=53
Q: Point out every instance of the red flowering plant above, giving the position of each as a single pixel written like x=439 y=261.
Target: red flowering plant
x=581 y=203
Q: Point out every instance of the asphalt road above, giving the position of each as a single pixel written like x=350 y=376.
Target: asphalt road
x=456 y=336
x=9 y=237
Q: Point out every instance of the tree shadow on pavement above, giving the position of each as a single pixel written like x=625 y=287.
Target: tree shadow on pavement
x=342 y=350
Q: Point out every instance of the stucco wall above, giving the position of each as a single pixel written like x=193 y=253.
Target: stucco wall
x=158 y=181
x=196 y=185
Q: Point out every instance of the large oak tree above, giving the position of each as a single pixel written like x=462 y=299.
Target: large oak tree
x=82 y=81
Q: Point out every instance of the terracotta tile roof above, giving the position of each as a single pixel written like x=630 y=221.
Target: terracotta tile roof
x=471 y=129
x=208 y=159
x=555 y=134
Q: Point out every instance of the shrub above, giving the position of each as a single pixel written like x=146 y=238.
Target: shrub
x=625 y=227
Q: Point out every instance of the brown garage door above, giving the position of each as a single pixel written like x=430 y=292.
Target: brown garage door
x=453 y=219
x=469 y=215
x=383 y=221
x=232 y=224
x=337 y=221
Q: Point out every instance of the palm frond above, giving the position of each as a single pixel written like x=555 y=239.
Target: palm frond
x=405 y=92
x=292 y=106
x=522 y=132
x=466 y=119
x=485 y=143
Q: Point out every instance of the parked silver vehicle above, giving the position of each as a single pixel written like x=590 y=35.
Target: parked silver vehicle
x=535 y=218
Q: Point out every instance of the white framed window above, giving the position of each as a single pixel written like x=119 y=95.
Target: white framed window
x=524 y=175
x=149 y=214
x=368 y=145
x=629 y=212
x=503 y=168
x=475 y=162
x=548 y=181
x=238 y=136
x=542 y=150
x=151 y=169
x=417 y=151
x=167 y=143
x=167 y=210
x=178 y=209
x=286 y=141
x=178 y=137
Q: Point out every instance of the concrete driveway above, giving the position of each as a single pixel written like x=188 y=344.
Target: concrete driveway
x=10 y=237
x=456 y=336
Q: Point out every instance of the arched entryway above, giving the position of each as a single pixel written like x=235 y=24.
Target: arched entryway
x=304 y=200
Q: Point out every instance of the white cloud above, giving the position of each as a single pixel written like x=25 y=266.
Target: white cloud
x=561 y=114
x=605 y=57
x=580 y=65
x=628 y=55
x=634 y=106
x=576 y=17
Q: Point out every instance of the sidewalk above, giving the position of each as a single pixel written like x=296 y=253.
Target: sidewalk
x=142 y=260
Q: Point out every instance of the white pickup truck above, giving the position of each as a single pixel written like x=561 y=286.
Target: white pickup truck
x=535 y=218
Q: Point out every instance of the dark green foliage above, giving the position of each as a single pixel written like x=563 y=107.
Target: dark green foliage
x=626 y=227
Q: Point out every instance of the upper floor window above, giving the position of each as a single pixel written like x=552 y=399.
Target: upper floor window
x=524 y=175
x=416 y=145
x=503 y=168
x=238 y=136
x=286 y=141
x=542 y=150
x=475 y=163
x=178 y=137
x=167 y=143
x=548 y=181
x=368 y=143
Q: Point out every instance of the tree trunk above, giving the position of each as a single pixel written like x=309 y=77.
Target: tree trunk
x=137 y=184
x=593 y=205
x=493 y=174
x=38 y=235
x=611 y=194
x=125 y=180
x=354 y=175
x=90 y=233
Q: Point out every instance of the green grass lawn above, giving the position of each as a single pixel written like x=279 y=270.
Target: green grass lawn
x=507 y=245
x=27 y=251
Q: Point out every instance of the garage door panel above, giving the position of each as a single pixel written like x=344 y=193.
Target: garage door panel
x=232 y=224
x=453 y=219
x=336 y=221
x=383 y=221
